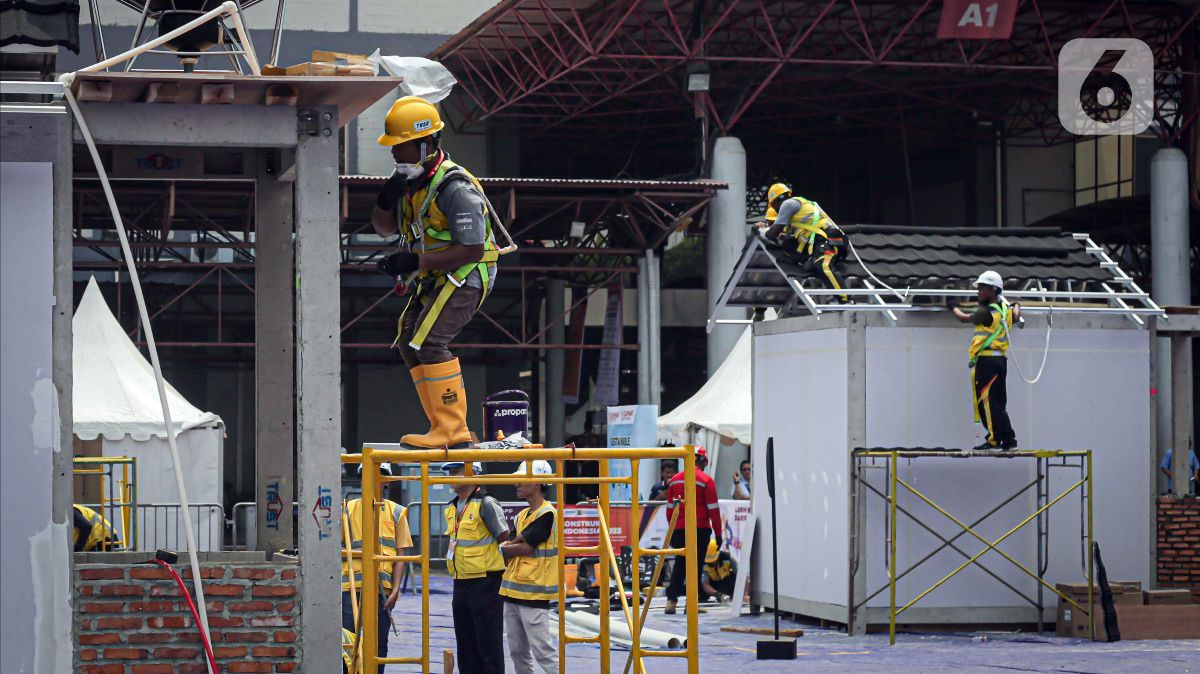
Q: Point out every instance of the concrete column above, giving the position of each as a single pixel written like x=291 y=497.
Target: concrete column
x=727 y=233
x=1181 y=401
x=1169 y=245
x=654 y=328
x=274 y=356
x=556 y=413
x=643 y=325
x=319 y=392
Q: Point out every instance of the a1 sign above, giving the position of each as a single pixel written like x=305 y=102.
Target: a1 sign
x=977 y=19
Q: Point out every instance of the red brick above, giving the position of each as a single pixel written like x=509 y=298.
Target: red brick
x=118 y=623
x=285 y=666
x=191 y=668
x=166 y=591
x=246 y=636
x=254 y=574
x=99 y=639
x=285 y=607
x=150 y=637
x=88 y=654
x=149 y=573
x=122 y=590
x=170 y=622
x=272 y=652
x=214 y=606
x=273 y=621
x=237 y=667
x=85 y=625
x=176 y=653
x=218 y=621
x=221 y=590
x=153 y=669
x=285 y=637
x=103 y=669
x=287 y=574
x=151 y=606
x=125 y=653
x=206 y=573
x=102 y=574
x=95 y=607
x=244 y=606
x=273 y=591
x=230 y=651
x=86 y=591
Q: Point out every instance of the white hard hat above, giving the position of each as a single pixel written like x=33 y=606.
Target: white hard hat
x=457 y=465
x=990 y=278
x=540 y=467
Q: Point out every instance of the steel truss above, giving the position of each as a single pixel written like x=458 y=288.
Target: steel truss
x=194 y=244
x=819 y=70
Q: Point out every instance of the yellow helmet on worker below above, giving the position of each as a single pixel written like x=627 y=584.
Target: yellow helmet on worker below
x=410 y=117
x=713 y=551
x=776 y=191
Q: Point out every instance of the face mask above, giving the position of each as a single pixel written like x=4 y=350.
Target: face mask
x=409 y=171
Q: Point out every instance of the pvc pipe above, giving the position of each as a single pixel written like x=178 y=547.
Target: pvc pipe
x=227 y=7
x=620 y=630
x=158 y=375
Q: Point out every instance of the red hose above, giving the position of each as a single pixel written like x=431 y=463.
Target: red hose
x=212 y=661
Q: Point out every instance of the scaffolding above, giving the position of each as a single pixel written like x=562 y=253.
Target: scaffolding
x=118 y=491
x=1045 y=461
x=365 y=653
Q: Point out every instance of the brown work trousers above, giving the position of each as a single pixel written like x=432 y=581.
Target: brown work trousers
x=454 y=316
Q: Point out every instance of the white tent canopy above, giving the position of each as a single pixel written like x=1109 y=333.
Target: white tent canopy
x=115 y=394
x=722 y=405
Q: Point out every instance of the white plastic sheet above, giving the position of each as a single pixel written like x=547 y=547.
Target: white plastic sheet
x=421 y=77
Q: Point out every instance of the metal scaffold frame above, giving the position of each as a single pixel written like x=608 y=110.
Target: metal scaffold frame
x=373 y=456
x=118 y=493
x=865 y=459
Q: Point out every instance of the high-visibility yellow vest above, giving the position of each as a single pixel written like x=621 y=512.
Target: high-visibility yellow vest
x=992 y=340
x=473 y=550
x=534 y=577
x=393 y=534
x=719 y=570
x=347 y=649
x=808 y=223
x=102 y=536
x=423 y=223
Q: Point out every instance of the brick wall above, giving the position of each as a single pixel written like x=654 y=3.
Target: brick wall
x=1179 y=542
x=132 y=619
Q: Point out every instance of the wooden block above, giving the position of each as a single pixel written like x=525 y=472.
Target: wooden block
x=281 y=94
x=356 y=71
x=1156 y=597
x=448 y=661
x=765 y=631
x=163 y=92
x=216 y=93
x=99 y=92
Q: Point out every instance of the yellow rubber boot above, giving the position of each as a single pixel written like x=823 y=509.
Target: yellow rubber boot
x=446 y=398
x=418 y=377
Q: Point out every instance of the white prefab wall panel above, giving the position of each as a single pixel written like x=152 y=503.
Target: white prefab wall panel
x=1093 y=395
x=800 y=399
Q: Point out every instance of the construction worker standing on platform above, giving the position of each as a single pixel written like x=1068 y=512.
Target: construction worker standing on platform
x=802 y=225
x=445 y=225
x=708 y=525
x=93 y=533
x=475 y=526
x=531 y=580
x=988 y=358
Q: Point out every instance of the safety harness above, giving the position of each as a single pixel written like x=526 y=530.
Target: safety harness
x=1002 y=308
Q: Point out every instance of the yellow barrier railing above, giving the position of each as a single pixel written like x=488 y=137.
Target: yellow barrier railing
x=371 y=458
x=118 y=491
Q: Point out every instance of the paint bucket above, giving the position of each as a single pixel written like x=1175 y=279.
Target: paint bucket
x=505 y=412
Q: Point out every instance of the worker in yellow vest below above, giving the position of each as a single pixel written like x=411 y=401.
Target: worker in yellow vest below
x=719 y=575
x=394 y=539
x=475 y=527
x=803 y=226
x=531 y=579
x=988 y=358
x=92 y=533
x=444 y=223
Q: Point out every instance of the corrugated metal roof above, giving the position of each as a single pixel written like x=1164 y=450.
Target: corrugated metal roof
x=572 y=183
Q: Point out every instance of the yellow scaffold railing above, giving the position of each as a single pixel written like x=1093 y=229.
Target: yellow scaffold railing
x=118 y=491
x=371 y=458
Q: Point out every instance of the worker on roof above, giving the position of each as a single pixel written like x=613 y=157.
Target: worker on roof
x=475 y=527
x=92 y=533
x=531 y=580
x=988 y=358
x=720 y=573
x=708 y=524
x=394 y=539
x=802 y=225
x=444 y=222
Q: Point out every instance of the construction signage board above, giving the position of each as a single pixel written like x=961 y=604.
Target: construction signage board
x=977 y=19
x=581 y=526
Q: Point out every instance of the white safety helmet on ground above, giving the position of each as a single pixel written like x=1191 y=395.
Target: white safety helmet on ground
x=457 y=465
x=540 y=467
x=990 y=278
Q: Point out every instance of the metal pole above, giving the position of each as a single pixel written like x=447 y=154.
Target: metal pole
x=635 y=622
x=1091 y=561
x=690 y=552
x=425 y=524
x=562 y=560
x=893 y=493
x=654 y=328
x=643 y=354
x=97 y=30
x=370 y=569
x=277 y=38
x=556 y=419
x=602 y=573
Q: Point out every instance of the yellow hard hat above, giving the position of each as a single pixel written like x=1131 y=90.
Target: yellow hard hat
x=713 y=551
x=776 y=191
x=410 y=118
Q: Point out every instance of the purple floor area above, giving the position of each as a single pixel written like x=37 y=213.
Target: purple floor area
x=828 y=650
